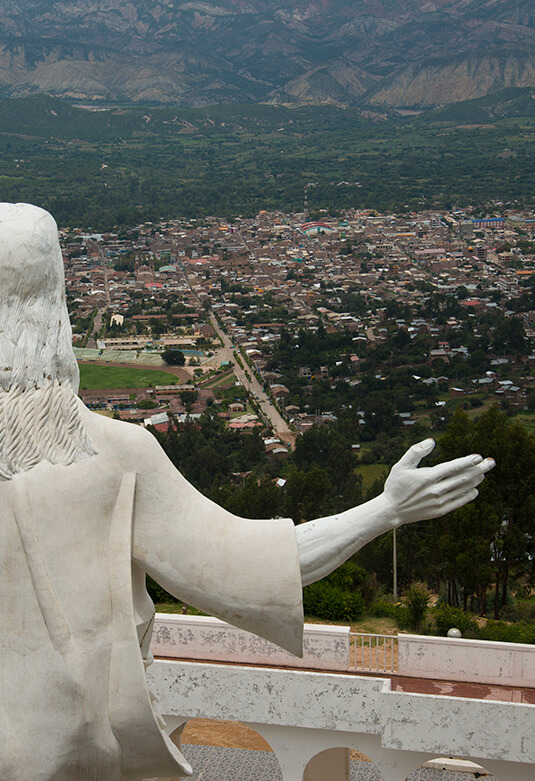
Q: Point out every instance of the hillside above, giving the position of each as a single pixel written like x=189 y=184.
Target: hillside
x=197 y=52
x=458 y=78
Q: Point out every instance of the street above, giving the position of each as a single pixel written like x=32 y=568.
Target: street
x=251 y=384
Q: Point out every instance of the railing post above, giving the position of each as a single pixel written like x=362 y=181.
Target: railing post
x=369 y=647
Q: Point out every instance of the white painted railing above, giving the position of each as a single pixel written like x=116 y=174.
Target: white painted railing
x=325 y=647
x=373 y=653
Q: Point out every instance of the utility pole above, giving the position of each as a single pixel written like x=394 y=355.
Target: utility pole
x=395 y=553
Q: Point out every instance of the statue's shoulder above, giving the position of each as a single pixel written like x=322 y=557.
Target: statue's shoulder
x=126 y=441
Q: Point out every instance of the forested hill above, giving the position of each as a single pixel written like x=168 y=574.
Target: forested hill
x=197 y=52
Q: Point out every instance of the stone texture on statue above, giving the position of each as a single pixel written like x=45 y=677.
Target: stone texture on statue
x=89 y=506
x=80 y=526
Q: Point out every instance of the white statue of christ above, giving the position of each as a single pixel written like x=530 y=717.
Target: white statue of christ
x=90 y=505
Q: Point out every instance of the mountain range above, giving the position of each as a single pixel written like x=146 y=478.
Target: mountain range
x=401 y=54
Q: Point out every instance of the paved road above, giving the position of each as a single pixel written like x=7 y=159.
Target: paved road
x=270 y=414
x=250 y=382
x=97 y=323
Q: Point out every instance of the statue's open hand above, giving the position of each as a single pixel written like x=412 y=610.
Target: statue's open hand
x=429 y=492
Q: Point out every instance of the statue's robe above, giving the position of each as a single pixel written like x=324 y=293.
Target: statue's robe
x=75 y=618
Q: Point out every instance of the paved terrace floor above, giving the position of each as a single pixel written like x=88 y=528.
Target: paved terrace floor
x=475 y=691
x=214 y=763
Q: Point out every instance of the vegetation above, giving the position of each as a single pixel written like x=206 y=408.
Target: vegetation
x=114 y=168
x=93 y=377
x=174 y=357
x=417 y=602
x=476 y=559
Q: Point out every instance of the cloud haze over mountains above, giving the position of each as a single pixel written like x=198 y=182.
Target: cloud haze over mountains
x=409 y=53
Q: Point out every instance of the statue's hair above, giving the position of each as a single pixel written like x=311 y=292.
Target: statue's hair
x=39 y=411
x=41 y=424
x=35 y=331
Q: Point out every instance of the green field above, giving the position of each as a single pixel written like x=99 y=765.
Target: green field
x=94 y=377
x=527 y=419
x=372 y=472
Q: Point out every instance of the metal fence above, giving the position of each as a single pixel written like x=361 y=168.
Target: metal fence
x=373 y=653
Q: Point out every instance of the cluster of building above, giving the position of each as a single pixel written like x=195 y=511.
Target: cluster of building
x=154 y=287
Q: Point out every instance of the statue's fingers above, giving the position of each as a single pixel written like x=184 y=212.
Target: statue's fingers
x=458 y=501
x=487 y=465
x=469 y=479
x=437 y=506
x=459 y=465
x=414 y=454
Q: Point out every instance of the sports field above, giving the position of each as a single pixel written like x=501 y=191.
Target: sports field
x=94 y=377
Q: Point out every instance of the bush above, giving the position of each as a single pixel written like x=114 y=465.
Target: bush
x=526 y=612
x=409 y=615
x=347 y=577
x=417 y=602
x=402 y=617
x=332 y=603
x=158 y=594
x=371 y=590
x=447 y=617
x=383 y=608
x=508 y=633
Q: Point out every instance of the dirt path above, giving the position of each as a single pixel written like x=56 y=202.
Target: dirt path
x=227 y=734
x=232 y=734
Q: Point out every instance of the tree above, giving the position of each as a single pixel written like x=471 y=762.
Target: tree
x=147 y=404
x=492 y=539
x=157 y=328
x=174 y=357
x=308 y=494
x=510 y=494
x=255 y=499
x=510 y=336
x=188 y=397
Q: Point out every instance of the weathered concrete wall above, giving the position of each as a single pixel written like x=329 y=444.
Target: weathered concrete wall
x=475 y=661
x=301 y=713
x=208 y=639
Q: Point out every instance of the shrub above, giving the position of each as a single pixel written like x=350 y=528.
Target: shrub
x=347 y=577
x=508 y=633
x=158 y=594
x=382 y=607
x=371 y=590
x=447 y=617
x=417 y=602
x=401 y=616
x=332 y=603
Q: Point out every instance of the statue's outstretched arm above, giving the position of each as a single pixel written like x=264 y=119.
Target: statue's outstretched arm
x=174 y=520
x=410 y=494
x=250 y=572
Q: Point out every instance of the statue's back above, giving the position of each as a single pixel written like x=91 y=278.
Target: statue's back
x=74 y=696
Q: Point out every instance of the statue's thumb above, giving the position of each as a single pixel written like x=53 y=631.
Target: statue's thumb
x=414 y=454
